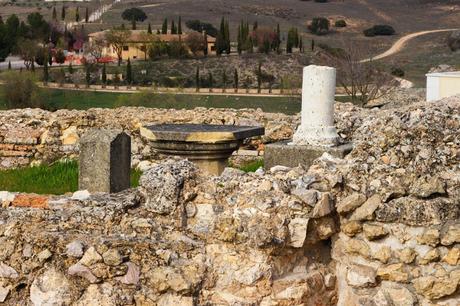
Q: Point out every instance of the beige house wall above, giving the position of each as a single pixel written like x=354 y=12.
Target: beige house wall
x=449 y=86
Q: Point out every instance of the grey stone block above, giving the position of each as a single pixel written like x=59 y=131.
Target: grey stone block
x=288 y=155
x=105 y=161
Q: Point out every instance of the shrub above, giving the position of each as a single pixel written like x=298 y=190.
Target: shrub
x=340 y=23
x=319 y=26
x=454 y=41
x=397 y=72
x=379 y=30
x=21 y=90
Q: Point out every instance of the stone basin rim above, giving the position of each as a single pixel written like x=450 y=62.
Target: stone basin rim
x=202 y=132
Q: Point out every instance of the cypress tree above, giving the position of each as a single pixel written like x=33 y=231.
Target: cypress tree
x=104 y=75
x=77 y=14
x=63 y=13
x=179 y=29
x=86 y=15
x=197 y=79
x=70 y=68
x=158 y=31
x=9 y=65
x=235 y=79
x=54 y=14
x=88 y=75
x=164 y=28
x=259 y=77
x=205 y=51
x=278 y=39
x=33 y=66
x=149 y=29
x=173 y=27
x=220 y=40
x=45 y=69
x=129 y=73
x=255 y=26
x=210 y=80
x=224 y=80
x=240 y=40
x=227 y=37
x=312 y=45
x=301 y=45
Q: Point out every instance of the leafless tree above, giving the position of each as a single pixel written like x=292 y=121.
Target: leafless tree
x=95 y=48
x=196 y=42
x=362 y=79
x=118 y=39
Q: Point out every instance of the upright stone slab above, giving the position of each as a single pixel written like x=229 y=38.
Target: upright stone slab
x=105 y=161
x=316 y=133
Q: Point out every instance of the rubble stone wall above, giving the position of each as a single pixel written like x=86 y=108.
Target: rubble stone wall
x=380 y=227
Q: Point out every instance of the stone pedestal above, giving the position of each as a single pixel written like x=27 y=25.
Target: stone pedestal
x=316 y=134
x=208 y=146
x=105 y=161
x=290 y=155
x=318 y=98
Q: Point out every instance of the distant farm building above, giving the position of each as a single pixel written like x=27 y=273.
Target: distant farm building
x=138 y=43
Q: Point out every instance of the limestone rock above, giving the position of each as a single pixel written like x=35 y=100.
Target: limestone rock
x=298 y=232
x=434 y=288
x=407 y=255
x=75 y=249
x=397 y=295
x=352 y=228
x=308 y=196
x=112 y=257
x=7 y=271
x=452 y=256
x=350 y=203
x=82 y=271
x=50 y=288
x=359 y=247
x=132 y=275
x=101 y=295
x=171 y=299
x=383 y=254
x=366 y=211
x=90 y=257
x=324 y=206
x=4 y=291
x=427 y=186
x=360 y=276
x=81 y=195
x=394 y=273
x=430 y=256
x=373 y=232
x=429 y=237
x=451 y=235
x=162 y=185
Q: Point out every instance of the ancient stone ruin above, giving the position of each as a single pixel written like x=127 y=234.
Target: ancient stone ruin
x=377 y=227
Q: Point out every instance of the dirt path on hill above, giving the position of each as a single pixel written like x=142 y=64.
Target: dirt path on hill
x=400 y=43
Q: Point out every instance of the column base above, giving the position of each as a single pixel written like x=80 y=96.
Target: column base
x=292 y=155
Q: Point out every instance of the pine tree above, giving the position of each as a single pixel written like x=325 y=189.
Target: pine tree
x=197 y=79
x=104 y=75
x=235 y=79
x=63 y=13
x=179 y=29
x=164 y=28
x=86 y=15
x=129 y=73
x=54 y=14
x=77 y=14
x=149 y=29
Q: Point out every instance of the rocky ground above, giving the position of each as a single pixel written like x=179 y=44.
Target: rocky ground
x=380 y=227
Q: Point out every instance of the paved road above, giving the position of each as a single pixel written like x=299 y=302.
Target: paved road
x=399 y=45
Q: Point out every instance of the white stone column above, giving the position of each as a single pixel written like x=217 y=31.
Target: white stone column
x=318 y=97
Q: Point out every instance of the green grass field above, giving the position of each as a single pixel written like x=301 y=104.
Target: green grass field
x=58 y=178
x=82 y=100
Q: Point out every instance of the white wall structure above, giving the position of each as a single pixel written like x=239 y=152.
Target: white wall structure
x=318 y=98
x=442 y=85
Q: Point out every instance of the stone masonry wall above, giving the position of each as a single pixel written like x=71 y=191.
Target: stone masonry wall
x=380 y=227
